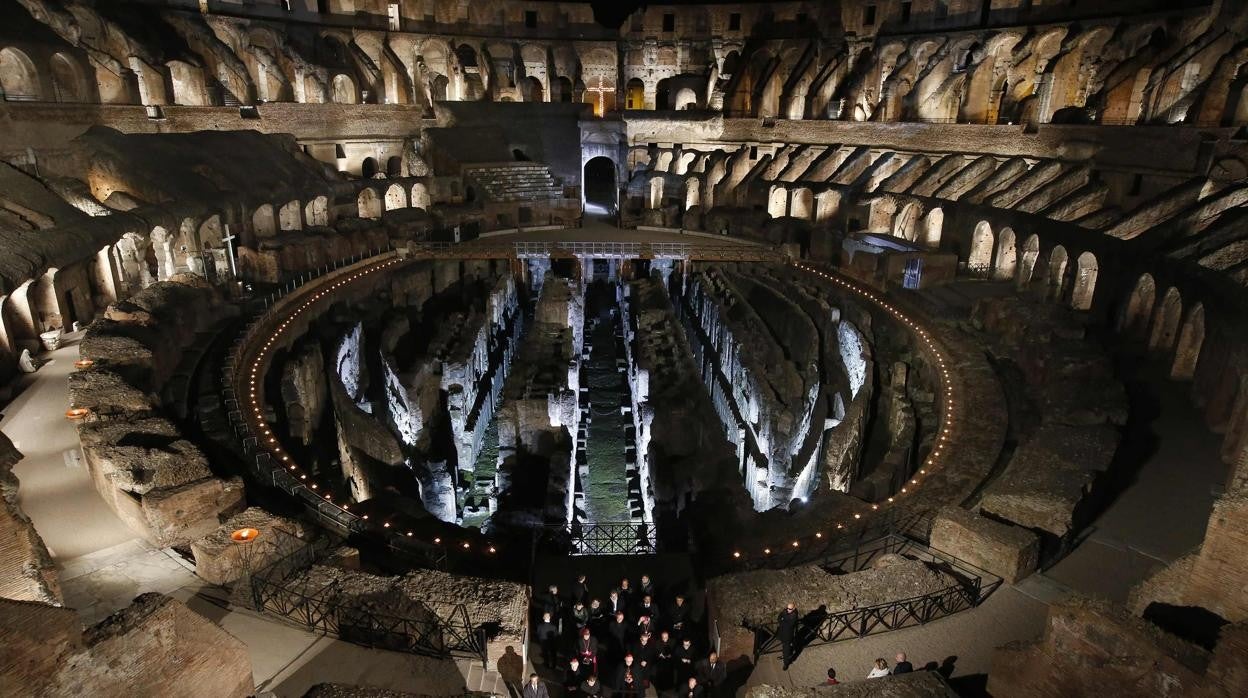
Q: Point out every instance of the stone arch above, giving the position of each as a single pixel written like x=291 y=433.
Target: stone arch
x=881 y=213
x=394 y=166
x=1006 y=263
x=1031 y=254
x=561 y=90
x=934 y=225
x=1191 y=339
x=979 y=258
x=656 y=192
x=9 y=338
x=44 y=308
x=802 y=204
x=162 y=246
x=692 y=192
x=1058 y=258
x=396 y=197
x=263 y=222
x=532 y=90
x=778 y=201
x=19 y=317
x=1086 y=270
x=211 y=232
x=1166 y=321
x=68 y=82
x=343 y=90
x=369 y=203
x=288 y=216
x=19 y=80
x=368 y=167
x=316 y=211
x=420 y=196
x=686 y=98
x=906 y=225
x=828 y=204
x=1139 y=308
x=635 y=94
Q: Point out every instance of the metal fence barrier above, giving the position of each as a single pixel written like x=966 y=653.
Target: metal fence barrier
x=971 y=586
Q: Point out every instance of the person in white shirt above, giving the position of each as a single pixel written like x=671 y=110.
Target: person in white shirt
x=881 y=669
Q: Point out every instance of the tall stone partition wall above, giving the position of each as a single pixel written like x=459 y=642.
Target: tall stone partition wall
x=27 y=572
x=1010 y=552
x=1216 y=576
x=541 y=405
x=155 y=647
x=159 y=483
x=1091 y=648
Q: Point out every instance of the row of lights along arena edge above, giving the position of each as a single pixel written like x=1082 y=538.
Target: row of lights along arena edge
x=933 y=459
x=268 y=438
x=941 y=445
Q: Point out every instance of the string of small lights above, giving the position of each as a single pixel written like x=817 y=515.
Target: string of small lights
x=249 y=371
x=258 y=359
x=947 y=404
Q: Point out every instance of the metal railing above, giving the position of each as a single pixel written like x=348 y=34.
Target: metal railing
x=259 y=459
x=280 y=590
x=599 y=538
x=978 y=271
x=971 y=586
x=489 y=248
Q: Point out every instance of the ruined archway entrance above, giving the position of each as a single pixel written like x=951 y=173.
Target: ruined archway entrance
x=601 y=193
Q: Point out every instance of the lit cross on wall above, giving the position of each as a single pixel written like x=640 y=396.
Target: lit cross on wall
x=600 y=104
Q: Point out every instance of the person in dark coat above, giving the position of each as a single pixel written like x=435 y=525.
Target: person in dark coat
x=618 y=636
x=591 y=687
x=644 y=653
x=902 y=665
x=574 y=674
x=551 y=603
x=678 y=617
x=663 y=665
x=689 y=688
x=535 y=688
x=579 y=615
x=684 y=658
x=627 y=593
x=580 y=590
x=597 y=616
x=648 y=609
x=712 y=674
x=586 y=649
x=547 y=634
x=785 y=631
x=646 y=587
x=629 y=679
x=615 y=603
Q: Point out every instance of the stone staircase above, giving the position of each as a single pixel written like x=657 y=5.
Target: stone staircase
x=516 y=181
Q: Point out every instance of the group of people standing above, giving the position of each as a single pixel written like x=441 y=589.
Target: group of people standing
x=633 y=640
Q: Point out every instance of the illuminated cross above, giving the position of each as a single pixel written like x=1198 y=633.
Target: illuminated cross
x=228 y=240
x=600 y=91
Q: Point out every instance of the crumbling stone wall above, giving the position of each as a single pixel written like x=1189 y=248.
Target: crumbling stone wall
x=733 y=600
x=156 y=646
x=221 y=560
x=27 y=572
x=159 y=483
x=680 y=440
x=1091 y=648
x=541 y=404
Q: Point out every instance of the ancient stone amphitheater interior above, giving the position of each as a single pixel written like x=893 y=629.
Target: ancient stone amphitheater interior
x=340 y=340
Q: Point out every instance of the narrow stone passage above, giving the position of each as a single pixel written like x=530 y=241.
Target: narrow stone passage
x=604 y=478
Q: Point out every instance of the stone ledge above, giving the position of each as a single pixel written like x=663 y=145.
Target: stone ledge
x=1009 y=552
